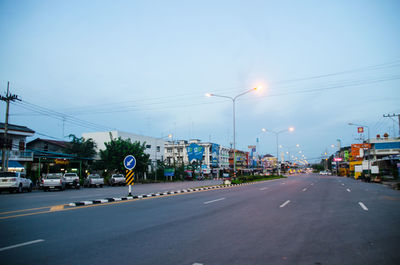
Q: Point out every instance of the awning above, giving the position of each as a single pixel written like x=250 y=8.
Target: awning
x=12 y=164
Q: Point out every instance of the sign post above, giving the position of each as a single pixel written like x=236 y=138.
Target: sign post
x=129 y=164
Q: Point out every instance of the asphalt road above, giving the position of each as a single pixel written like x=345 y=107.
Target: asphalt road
x=39 y=198
x=305 y=219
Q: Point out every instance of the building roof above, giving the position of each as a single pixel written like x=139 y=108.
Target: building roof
x=62 y=144
x=17 y=128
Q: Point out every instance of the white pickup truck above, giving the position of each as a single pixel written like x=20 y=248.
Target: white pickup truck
x=72 y=180
x=117 y=179
x=53 y=181
x=94 y=180
x=15 y=181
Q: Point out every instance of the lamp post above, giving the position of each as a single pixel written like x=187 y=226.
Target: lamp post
x=291 y=129
x=289 y=148
x=234 y=125
x=156 y=162
x=369 y=142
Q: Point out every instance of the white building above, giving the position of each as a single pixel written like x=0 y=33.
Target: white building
x=176 y=151
x=154 y=146
x=17 y=155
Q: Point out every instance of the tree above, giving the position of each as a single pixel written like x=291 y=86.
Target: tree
x=118 y=149
x=81 y=147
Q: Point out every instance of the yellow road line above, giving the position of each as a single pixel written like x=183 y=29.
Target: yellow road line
x=25 y=210
x=57 y=208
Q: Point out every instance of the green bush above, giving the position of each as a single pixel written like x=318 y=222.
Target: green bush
x=253 y=178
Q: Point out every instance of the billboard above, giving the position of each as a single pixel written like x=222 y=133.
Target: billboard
x=214 y=155
x=195 y=152
x=357 y=150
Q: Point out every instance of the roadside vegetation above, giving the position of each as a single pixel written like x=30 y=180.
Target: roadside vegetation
x=254 y=178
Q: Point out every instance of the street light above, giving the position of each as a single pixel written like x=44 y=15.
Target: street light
x=234 y=125
x=369 y=143
x=291 y=129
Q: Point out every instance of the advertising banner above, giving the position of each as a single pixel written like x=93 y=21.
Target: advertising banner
x=357 y=150
x=195 y=152
x=169 y=172
x=215 y=155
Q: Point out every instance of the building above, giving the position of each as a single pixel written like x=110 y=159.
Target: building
x=154 y=146
x=215 y=156
x=47 y=145
x=269 y=162
x=17 y=154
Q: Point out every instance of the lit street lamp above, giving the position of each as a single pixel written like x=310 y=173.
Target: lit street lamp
x=234 y=125
x=291 y=129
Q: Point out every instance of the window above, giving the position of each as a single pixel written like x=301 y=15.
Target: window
x=46 y=147
x=148 y=146
x=158 y=148
x=21 y=145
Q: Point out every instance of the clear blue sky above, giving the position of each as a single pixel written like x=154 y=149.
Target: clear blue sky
x=144 y=67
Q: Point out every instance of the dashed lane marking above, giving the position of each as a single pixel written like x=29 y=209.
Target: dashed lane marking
x=22 y=244
x=214 y=200
x=264 y=188
x=304 y=189
x=363 y=206
x=348 y=190
x=284 y=204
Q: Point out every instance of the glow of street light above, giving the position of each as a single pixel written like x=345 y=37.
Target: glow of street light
x=208 y=95
x=291 y=129
x=257 y=88
x=263 y=129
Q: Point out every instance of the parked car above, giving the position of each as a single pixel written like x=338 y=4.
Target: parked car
x=94 y=180
x=226 y=176
x=53 y=181
x=325 y=172
x=15 y=181
x=117 y=179
x=72 y=180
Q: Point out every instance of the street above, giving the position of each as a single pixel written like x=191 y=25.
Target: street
x=302 y=219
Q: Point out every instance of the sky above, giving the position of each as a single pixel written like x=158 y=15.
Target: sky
x=144 y=67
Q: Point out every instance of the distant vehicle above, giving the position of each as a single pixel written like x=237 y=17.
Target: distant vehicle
x=226 y=176
x=15 y=181
x=117 y=179
x=72 y=180
x=94 y=180
x=53 y=181
x=325 y=172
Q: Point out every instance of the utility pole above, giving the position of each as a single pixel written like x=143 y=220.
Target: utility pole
x=393 y=115
x=9 y=97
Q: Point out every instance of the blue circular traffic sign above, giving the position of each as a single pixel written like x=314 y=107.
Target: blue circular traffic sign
x=129 y=162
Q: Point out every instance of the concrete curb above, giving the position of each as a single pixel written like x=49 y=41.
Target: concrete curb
x=158 y=194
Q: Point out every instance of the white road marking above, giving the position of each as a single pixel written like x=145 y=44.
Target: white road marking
x=197 y=264
x=284 y=204
x=312 y=184
x=283 y=183
x=342 y=184
x=304 y=189
x=264 y=188
x=22 y=244
x=363 y=206
x=348 y=190
x=214 y=201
